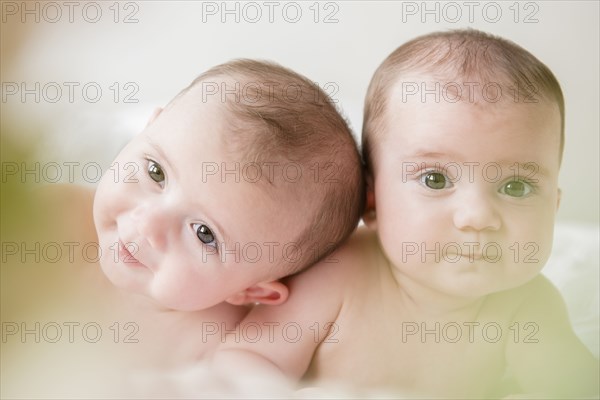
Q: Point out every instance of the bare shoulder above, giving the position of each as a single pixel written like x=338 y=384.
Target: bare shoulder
x=319 y=292
x=536 y=302
x=539 y=297
x=352 y=260
x=316 y=298
x=548 y=357
x=361 y=246
x=538 y=292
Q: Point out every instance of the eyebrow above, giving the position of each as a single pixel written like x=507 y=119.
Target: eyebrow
x=163 y=156
x=429 y=154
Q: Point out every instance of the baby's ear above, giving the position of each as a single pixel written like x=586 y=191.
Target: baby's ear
x=155 y=114
x=271 y=293
x=369 y=216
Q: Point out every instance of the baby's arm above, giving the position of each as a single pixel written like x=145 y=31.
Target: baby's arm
x=289 y=333
x=552 y=361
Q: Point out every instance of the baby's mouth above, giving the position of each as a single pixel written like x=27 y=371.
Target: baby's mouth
x=471 y=257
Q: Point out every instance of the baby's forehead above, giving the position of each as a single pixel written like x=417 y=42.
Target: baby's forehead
x=452 y=88
x=415 y=115
x=488 y=98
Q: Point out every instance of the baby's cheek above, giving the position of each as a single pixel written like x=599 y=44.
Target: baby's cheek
x=114 y=193
x=180 y=286
x=532 y=244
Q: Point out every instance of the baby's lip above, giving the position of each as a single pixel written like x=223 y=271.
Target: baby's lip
x=473 y=256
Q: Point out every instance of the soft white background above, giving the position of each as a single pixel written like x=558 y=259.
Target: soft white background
x=172 y=42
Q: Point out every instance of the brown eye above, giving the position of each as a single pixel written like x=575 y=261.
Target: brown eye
x=155 y=172
x=204 y=234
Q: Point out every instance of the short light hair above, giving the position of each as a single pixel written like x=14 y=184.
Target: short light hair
x=466 y=54
x=283 y=115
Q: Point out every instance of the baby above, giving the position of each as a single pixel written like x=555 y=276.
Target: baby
x=248 y=175
x=441 y=294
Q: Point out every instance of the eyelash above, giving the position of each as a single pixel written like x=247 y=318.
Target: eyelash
x=215 y=240
x=533 y=185
x=434 y=170
x=150 y=161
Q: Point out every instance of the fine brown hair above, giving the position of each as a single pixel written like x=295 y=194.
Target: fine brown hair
x=468 y=55
x=279 y=114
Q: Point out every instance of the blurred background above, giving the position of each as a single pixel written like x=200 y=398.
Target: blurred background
x=80 y=78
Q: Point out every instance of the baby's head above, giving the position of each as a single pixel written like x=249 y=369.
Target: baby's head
x=248 y=175
x=463 y=138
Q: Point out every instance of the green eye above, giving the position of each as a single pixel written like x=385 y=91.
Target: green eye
x=516 y=189
x=435 y=180
x=155 y=172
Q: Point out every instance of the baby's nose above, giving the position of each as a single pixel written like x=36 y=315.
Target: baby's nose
x=153 y=224
x=477 y=211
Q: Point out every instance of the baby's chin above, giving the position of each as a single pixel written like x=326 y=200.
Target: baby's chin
x=118 y=278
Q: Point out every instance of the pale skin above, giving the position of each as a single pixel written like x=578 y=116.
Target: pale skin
x=368 y=321
x=160 y=233
x=127 y=334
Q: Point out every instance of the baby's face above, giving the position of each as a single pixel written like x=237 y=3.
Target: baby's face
x=173 y=229
x=466 y=194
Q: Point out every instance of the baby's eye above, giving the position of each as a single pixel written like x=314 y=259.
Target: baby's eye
x=435 y=180
x=516 y=189
x=155 y=172
x=205 y=234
